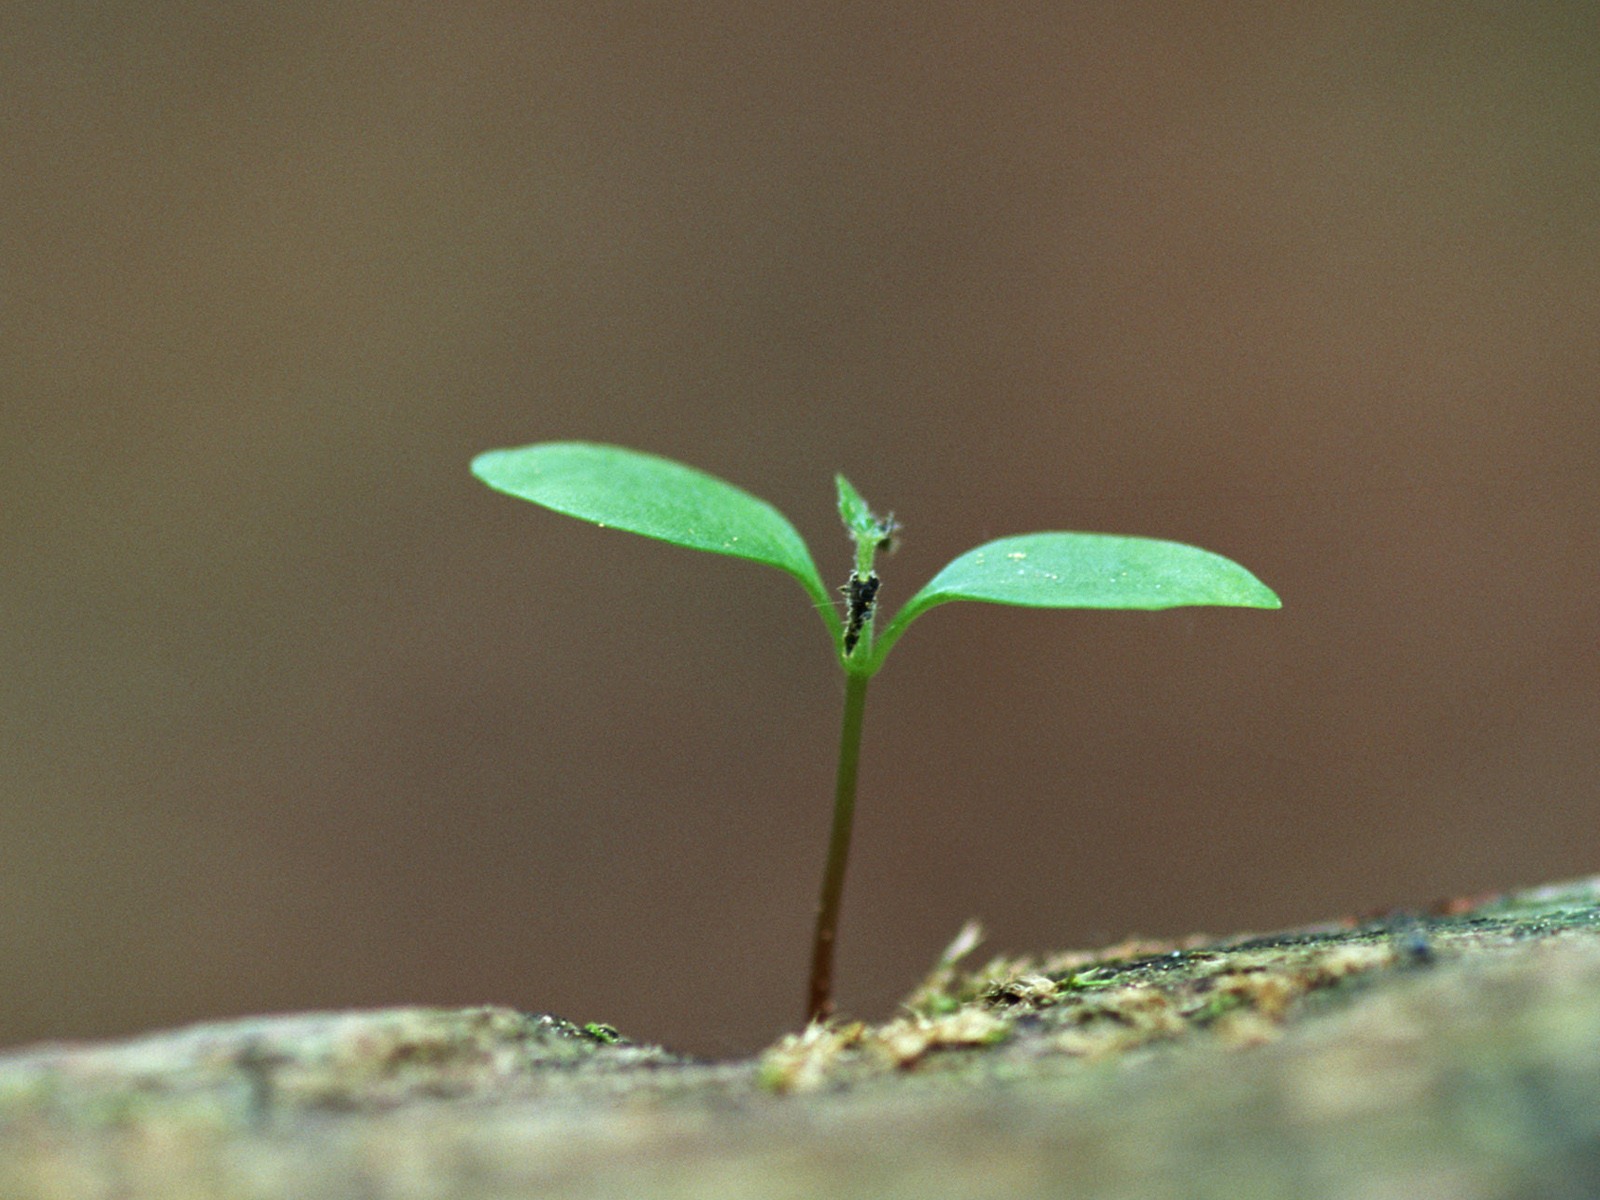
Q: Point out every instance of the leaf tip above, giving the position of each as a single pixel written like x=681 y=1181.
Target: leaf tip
x=1259 y=595
x=483 y=465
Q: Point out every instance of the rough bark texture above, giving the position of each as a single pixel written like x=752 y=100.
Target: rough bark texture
x=1453 y=1054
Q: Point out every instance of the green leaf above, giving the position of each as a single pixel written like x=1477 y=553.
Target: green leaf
x=656 y=497
x=1085 y=570
x=853 y=511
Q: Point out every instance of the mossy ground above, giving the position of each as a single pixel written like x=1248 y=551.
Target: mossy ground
x=1462 y=1040
x=1089 y=1005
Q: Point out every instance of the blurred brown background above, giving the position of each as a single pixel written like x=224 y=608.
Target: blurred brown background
x=296 y=714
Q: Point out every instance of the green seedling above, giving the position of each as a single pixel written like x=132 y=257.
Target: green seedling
x=658 y=498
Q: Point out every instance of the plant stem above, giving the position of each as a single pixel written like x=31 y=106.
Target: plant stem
x=820 y=1005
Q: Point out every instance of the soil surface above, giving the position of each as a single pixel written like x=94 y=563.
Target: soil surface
x=1448 y=1053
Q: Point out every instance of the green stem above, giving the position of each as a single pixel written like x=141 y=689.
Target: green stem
x=820 y=1005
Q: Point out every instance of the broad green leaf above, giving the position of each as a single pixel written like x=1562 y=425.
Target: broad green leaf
x=656 y=497
x=1085 y=570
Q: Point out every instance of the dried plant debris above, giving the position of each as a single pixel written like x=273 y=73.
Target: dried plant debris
x=823 y=1053
x=805 y=1061
x=1237 y=992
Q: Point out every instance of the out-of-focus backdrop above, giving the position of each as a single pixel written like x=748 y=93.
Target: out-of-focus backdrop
x=295 y=714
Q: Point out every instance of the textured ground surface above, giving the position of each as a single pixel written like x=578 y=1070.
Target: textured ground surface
x=1453 y=1053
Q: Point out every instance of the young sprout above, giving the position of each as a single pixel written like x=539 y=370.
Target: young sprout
x=659 y=498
